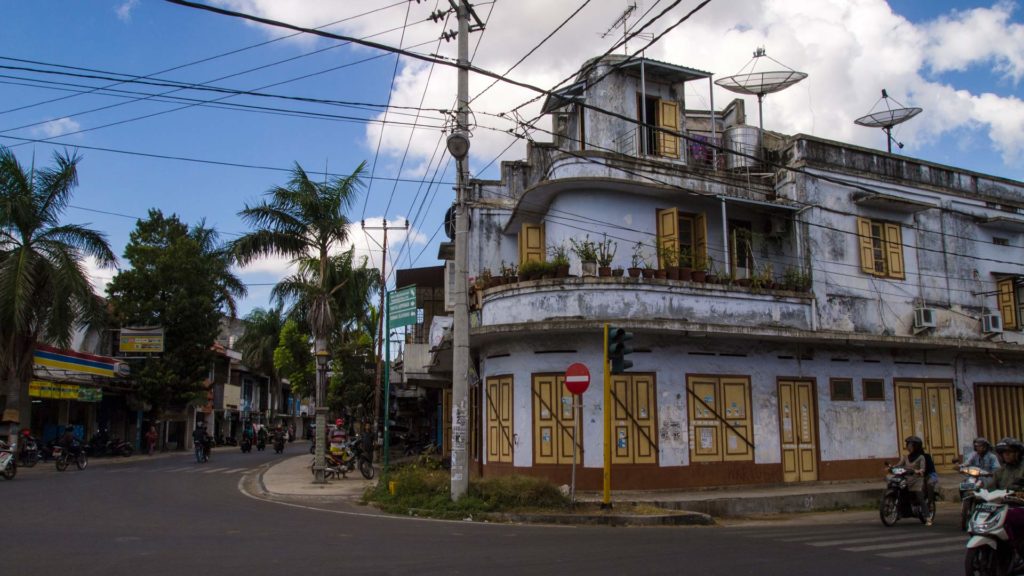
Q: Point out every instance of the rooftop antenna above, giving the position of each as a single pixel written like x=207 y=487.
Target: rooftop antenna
x=760 y=83
x=623 y=21
x=886 y=119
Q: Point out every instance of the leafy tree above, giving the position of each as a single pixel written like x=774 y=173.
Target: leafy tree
x=180 y=280
x=44 y=288
x=293 y=358
x=258 y=342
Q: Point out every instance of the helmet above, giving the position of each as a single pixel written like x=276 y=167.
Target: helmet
x=339 y=422
x=984 y=442
x=1009 y=443
x=914 y=440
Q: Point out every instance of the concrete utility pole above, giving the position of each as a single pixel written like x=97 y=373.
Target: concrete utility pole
x=458 y=146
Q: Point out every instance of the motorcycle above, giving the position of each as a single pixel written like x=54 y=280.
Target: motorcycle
x=261 y=443
x=29 y=453
x=118 y=447
x=8 y=462
x=203 y=450
x=64 y=457
x=279 y=444
x=245 y=445
x=989 y=550
x=974 y=480
x=357 y=452
x=899 y=502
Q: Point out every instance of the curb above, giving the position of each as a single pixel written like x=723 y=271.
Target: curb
x=610 y=519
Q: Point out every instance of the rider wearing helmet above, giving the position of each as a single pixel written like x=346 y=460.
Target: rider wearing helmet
x=1012 y=470
x=983 y=457
x=914 y=459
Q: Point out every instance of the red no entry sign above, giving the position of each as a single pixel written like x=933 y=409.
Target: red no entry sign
x=577 y=378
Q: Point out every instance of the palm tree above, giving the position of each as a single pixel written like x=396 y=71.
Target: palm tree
x=257 y=344
x=45 y=291
x=305 y=221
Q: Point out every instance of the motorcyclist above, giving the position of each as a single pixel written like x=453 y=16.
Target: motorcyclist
x=983 y=457
x=915 y=460
x=68 y=441
x=1012 y=470
x=261 y=437
x=201 y=436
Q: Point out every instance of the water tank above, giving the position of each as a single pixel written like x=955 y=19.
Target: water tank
x=744 y=140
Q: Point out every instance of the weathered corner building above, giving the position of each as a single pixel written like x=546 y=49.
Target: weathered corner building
x=851 y=297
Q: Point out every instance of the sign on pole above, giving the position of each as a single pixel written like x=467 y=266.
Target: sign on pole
x=402 y=307
x=577 y=378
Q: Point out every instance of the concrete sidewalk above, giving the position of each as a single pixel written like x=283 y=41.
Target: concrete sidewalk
x=293 y=477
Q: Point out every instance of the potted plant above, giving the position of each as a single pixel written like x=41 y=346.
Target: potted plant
x=509 y=272
x=762 y=277
x=712 y=277
x=532 y=269
x=586 y=251
x=685 y=264
x=559 y=260
x=700 y=267
x=605 y=254
x=795 y=279
x=668 y=257
x=484 y=280
x=617 y=272
x=637 y=261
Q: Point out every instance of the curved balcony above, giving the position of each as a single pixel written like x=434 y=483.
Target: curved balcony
x=665 y=304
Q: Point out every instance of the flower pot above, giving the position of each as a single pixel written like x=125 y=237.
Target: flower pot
x=698 y=275
x=618 y=272
x=589 y=268
x=686 y=274
x=562 y=271
x=647 y=272
x=635 y=272
x=661 y=273
x=672 y=272
x=604 y=271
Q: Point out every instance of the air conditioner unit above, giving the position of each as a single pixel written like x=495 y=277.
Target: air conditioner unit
x=992 y=323
x=924 y=318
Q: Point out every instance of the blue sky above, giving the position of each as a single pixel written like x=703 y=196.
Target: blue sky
x=963 y=62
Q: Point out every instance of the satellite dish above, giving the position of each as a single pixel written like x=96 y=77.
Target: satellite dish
x=758 y=84
x=888 y=118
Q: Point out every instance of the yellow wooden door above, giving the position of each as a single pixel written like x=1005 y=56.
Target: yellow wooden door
x=926 y=409
x=668 y=234
x=720 y=418
x=703 y=404
x=634 y=423
x=668 y=118
x=798 y=421
x=499 y=419
x=554 y=421
x=531 y=243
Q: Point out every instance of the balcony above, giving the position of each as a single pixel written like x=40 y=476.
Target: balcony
x=668 y=305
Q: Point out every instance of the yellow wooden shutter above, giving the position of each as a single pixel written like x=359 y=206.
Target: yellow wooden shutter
x=499 y=419
x=894 y=250
x=546 y=433
x=1006 y=303
x=668 y=118
x=867 y=253
x=700 y=240
x=706 y=445
x=737 y=428
x=668 y=233
x=531 y=243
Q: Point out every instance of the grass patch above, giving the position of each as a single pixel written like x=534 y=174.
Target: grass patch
x=421 y=490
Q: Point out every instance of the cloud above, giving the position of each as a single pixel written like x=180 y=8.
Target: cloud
x=99 y=277
x=56 y=128
x=124 y=10
x=851 y=50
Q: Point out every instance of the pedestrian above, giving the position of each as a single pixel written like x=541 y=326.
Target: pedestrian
x=151 y=440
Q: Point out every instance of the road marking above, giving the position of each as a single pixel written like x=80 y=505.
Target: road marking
x=916 y=544
x=866 y=540
x=214 y=470
x=818 y=536
x=925 y=551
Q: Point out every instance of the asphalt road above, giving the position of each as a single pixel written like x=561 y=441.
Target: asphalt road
x=169 y=515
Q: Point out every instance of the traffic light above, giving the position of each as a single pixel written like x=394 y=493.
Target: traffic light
x=617 y=349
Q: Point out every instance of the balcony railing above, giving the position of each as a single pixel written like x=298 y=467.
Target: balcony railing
x=738 y=151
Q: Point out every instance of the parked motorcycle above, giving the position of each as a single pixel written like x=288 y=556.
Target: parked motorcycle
x=8 y=462
x=65 y=457
x=29 y=453
x=118 y=447
x=989 y=550
x=974 y=480
x=357 y=452
x=899 y=502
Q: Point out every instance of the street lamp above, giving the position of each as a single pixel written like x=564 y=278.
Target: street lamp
x=322 y=357
x=458 y=145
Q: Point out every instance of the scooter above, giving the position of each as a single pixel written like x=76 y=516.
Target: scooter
x=261 y=443
x=279 y=443
x=245 y=445
x=29 y=453
x=989 y=550
x=974 y=480
x=899 y=502
x=353 y=453
x=8 y=462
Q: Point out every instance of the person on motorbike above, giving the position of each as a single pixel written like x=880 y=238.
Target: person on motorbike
x=68 y=441
x=983 y=456
x=200 y=436
x=915 y=460
x=1012 y=470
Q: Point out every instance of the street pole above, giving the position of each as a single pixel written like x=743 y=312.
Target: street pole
x=460 y=332
x=380 y=341
x=319 y=477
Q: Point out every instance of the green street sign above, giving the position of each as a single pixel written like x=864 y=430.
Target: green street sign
x=402 y=307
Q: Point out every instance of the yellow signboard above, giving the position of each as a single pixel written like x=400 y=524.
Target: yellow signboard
x=46 y=389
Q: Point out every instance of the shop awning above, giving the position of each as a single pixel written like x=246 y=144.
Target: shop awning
x=66 y=364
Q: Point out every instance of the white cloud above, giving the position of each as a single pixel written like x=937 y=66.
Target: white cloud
x=98 y=276
x=56 y=128
x=124 y=10
x=851 y=50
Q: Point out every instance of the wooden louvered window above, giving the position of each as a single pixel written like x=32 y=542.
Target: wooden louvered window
x=881 y=248
x=1010 y=300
